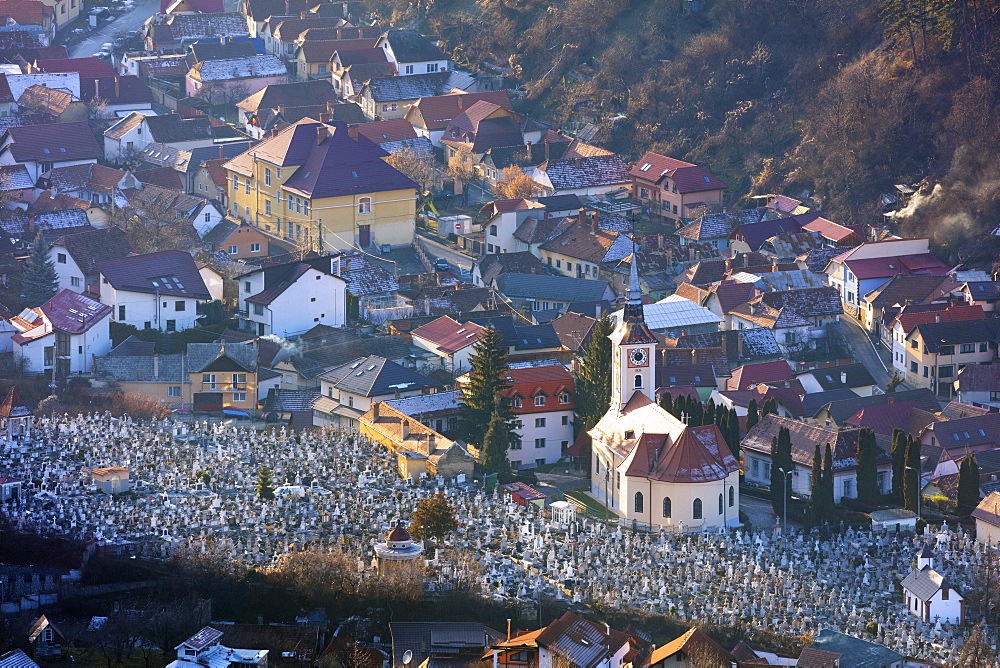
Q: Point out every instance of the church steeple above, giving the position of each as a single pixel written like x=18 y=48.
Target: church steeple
x=635 y=346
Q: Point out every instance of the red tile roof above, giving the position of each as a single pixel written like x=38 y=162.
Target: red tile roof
x=951 y=314
x=764 y=372
x=26 y=12
x=67 y=311
x=434 y=113
x=688 y=177
x=87 y=67
x=529 y=382
x=385 y=131
x=449 y=335
x=879 y=267
x=832 y=231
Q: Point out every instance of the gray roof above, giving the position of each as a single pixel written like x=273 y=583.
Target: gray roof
x=133 y=346
x=813 y=401
x=286 y=401
x=925 y=583
x=427 y=638
x=555 y=288
x=171 y=368
x=415 y=86
x=202 y=355
x=375 y=376
x=855 y=652
x=427 y=403
x=409 y=46
x=841 y=410
x=829 y=378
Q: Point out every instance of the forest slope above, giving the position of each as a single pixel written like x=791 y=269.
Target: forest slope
x=841 y=98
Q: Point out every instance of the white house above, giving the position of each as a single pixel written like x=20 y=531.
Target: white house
x=929 y=595
x=213 y=280
x=291 y=298
x=75 y=256
x=508 y=215
x=153 y=291
x=569 y=640
x=134 y=132
x=205 y=649
x=449 y=340
x=987 y=516
x=66 y=332
x=543 y=403
x=412 y=53
x=41 y=147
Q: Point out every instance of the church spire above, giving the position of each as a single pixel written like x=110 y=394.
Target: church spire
x=634 y=293
x=633 y=306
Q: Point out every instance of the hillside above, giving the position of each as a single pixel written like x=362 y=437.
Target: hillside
x=839 y=98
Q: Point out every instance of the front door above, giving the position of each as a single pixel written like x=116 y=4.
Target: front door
x=364 y=235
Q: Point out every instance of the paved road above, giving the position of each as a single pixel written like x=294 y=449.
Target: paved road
x=865 y=351
x=454 y=257
x=130 y=21
x=759 y=511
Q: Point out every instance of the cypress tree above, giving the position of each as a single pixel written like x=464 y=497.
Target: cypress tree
x=770 y=407
x=593 y=380
x=681 y=410
x=39 y=281
x=753 y=416
x=898 y=464
x=911 y=475
x=828 y=504
x=734 y=424
x=493 y=453
x=481 y=397
x=697 y=413
x=816 y=513
x=709 y=417
x=781 y=459
x=265 y=484
x=867 y=455
x=968 y=486
x=667 y=402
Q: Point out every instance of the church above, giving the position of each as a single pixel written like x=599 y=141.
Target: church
x=649 y=466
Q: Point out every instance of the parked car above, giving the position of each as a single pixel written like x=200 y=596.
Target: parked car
x=441 y=264
x=106 y=50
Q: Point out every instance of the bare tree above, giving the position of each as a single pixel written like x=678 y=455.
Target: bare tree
x=462 y=173
x=514 y=183
x=152 y=223
x=418 y=168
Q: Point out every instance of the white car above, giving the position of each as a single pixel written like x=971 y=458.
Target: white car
x=106 y=50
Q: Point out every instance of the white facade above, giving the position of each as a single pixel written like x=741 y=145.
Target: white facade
x=36 y=169
x=414 y=67
x=542 y=437
x=456 y=362
x=945 y=605
x=315 y=298
x=213 y=281
x=845 y=483
x=143 y=310
x=69 y=274
x=95 y=342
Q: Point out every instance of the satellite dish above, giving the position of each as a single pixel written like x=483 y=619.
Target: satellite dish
x=407 y=657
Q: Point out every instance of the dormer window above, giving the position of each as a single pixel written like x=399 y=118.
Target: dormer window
x=516 y=402
x=540 y=400
x=629 y=434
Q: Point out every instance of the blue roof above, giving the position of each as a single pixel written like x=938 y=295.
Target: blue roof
x=855 y=652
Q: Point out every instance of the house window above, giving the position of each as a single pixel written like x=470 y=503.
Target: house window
x=48 y=354
x=171 y=325
x=949 y=350
x=984 y=347
x=638 y=380
x=540 y=400
x=563 y=398
x=696 y=509
x=365 y=205
x=493 y=230
x=968 y=348
x=516 y=402
x=305 y=207
x=539 y=443
x=732 y=497
x=208 y=216
x=246 y=212
x=539 y=422
x=946 y=371
x=432 y=67
x=666 y=507
x=849 y=488
x=516 y=443
x=254 y=248
x=267 y=176
x=944 y=593
x=246 y=186
x=913 y=367
x=913 y=343
x=233 y=250
x=408 y=69
x=180 y=305
x=267 y=207
x=121 y=312
x=174 y=391
x=75 y=281
x=239 y=396
x=754 y=467
x=246 y=286
x=565 y=420
x=638 y=502
x=925 y=372
x=721 y=504
x=322 y=69
x=61 y=258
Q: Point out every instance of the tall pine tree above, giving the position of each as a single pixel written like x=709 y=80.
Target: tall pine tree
x=781 y=468
x=667 y=402
x=593 y=380
x=39 y=281
x=493 y=453
x=753 y=416
x=898 y=464
x=816 y=513
x=770 y=407
x=911 y=475
x=968 y=486
x=827 y=503
x=867 y=458
x=481 y=397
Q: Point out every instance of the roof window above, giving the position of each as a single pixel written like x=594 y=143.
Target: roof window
x=646 y=167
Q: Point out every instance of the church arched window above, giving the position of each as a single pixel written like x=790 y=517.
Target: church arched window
x=697 y=509
x=666 y=507
x=638 y=502
x=638 y=380
x=721 y=508
x=732 y=497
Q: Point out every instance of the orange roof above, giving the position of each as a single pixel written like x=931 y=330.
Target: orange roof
x=694 y=642
x=951 y=314
x=449 y=335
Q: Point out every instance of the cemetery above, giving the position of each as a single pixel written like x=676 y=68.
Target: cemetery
x=193 y=486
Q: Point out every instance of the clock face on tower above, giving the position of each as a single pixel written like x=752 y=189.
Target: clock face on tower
x=637 y=357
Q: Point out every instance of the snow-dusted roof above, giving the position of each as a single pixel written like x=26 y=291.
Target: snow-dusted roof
x=674 y=311
x=426 y=403
x=240 y=68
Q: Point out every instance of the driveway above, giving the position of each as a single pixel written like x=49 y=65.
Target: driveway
x=759 y=511
x=865 y=351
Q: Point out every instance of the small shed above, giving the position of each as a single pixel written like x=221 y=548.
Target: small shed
x=111 y=479
x=523 y=494
x=893 y=519
x=10 y=489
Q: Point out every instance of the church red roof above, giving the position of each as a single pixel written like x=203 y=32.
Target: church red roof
x=398 y=535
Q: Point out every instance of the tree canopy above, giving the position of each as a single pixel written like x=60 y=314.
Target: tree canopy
x=434 y=518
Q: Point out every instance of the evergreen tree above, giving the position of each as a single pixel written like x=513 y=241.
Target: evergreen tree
x=697 y=417
x=265 y=484
x=827 y=502
x=593 y=380
x=753 y=417
x=709 y=417
x=734 y=424
x=898 y=464
x=726 y=428
x=667 y=402
x=968 y=486
x=39 y=282
x=911 y=475
x=816 y=512
x=481 y=397
x=781 y=464
x=770 y=407
x=493 y=453
x=867 y=458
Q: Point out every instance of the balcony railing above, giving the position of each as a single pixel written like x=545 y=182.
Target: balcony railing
x=223 y=387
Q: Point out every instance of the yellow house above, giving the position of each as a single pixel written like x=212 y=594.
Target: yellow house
x=314 y=185
x=419 y=449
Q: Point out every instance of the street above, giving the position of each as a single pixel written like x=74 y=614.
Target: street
x=865 y=351
x=454 y=257
x=130 y=21
x=758 y=511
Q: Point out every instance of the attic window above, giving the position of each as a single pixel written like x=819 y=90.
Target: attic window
x=955 y=436
x=629 y=434
x=707 y=180
x=356 y=365
x=46 y=151
x=62 y=150
x=370 y=368
x=646 y=167
x=982 y=433
x=966 y=434
x=354 y=174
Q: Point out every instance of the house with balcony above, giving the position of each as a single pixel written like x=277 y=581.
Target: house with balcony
x=159 y=290
x=674 y=189
x=312 y=183
x=291 y=298
x=449 y=341
x=63 y=335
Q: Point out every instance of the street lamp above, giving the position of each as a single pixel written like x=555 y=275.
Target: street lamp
x=919 y=490
x=784 y=496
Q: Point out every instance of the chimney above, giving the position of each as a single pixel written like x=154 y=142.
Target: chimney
x=937 y=317
x=843 y=377
x=221 y=152
x=156 y=366
x=430 y=443
x=594 y=226
x=324 y=118
x=578 y=162
x=739 y=346
x=97 y=87
x=375 y=411
x=274 y=132
x=508 y=630
x=406 y=429
x=303 y=15
x=118 y=88
x=321 y=134
x=890 y=400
